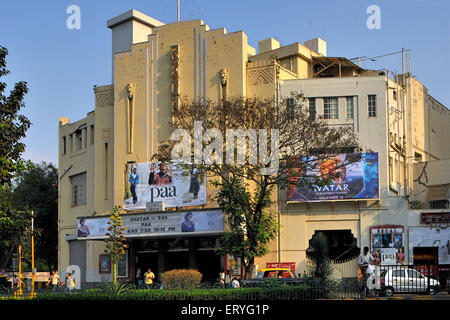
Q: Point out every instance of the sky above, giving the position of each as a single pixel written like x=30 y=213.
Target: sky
x=62 y=65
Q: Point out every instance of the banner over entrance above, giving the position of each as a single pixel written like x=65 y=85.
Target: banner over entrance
x=174 y=184
x=152 y=224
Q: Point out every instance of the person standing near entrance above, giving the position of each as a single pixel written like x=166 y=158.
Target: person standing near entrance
x=148 y=277
x=364 y=260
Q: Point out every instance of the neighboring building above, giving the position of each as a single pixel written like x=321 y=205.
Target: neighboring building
x=401 y=130
x=154 y=66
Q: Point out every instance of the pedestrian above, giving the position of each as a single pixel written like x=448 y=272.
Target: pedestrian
x=227 y=277
x=222 y=278
x=69 y=283
x=364 y=260
x=139 y=277
x=148 y=277
x=54 y=280
x=235 y=283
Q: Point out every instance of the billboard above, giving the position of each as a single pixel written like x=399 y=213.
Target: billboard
x=387 y=244
x=175 y=184
x=357 y=180
x=151 y=224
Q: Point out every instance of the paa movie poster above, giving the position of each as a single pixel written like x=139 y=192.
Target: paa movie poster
x=357 y=180
x=175 y=184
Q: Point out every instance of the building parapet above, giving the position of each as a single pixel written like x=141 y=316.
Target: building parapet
x=104 y=96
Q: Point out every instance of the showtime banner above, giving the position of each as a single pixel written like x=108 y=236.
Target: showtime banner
x=142 y=225
x=357 y=180
x=175 y=184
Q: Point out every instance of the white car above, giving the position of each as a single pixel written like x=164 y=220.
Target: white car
x=403 y=279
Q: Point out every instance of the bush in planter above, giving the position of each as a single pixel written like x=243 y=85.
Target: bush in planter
x=181 y=279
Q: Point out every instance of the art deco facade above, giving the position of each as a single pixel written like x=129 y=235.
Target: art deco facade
x=157 y=64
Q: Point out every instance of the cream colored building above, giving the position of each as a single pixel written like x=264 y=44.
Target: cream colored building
x=157 y=64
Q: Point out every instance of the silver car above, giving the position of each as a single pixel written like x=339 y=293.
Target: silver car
x=403 y=279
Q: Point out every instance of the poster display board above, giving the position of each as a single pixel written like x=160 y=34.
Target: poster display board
x=358 y=180
x=387 y=244
x=170 y=223
x=174 y=184
x=431 y=237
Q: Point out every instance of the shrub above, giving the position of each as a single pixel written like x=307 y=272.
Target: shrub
x=181 y=279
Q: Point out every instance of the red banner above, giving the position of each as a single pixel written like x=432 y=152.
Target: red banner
x=288 y=265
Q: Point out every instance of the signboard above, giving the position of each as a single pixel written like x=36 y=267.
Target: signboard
x=289 y=265
x=387 y=244
x=138 y=225
x=358 y=180
x=173 y=183
x=435 y=217
x=154 y=206
x=426 y=237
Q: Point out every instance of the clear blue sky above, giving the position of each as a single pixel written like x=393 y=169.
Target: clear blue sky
x=61 y=65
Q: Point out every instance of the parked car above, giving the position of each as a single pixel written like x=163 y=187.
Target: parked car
x=403 y=279
x=283 y=275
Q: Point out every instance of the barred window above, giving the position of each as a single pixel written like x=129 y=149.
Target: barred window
x=312 y=108
x=330 y=108
x=372 y=105
x=79 y=184
x=290 y=107
x=349 y=103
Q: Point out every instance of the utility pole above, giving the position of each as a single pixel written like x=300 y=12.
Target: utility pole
x=33 y=270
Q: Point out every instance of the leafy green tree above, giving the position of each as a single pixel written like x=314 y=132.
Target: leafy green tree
x=37 y=189
x=13 y=128
x=116 y=242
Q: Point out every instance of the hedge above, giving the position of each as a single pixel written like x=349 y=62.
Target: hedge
x=286 y=293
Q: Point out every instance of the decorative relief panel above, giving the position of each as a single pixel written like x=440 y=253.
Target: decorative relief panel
x=104 y=96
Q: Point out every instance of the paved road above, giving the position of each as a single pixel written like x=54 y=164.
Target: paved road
x=398 y=296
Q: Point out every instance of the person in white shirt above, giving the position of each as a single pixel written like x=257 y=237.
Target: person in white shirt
x=235 y=283
x=364 y=260
x=69 y=283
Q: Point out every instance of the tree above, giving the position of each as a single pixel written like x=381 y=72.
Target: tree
x=115 y=243
x=318 y=251
x=246 y=186
x=37 y=190
x=13 y=127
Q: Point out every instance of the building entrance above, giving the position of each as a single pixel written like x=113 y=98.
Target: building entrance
x=177 y=253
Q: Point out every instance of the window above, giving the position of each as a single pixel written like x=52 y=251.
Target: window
x=290 y=107
x=417 y=157
x=372 y=105
x=92 y=135
x=64 y=146
x=78 y=189
x=312 y=108
x=398 y=273
x=122 y=266
x=349 y=101
x=394 y=95
x=330 y=108
x=439 y=204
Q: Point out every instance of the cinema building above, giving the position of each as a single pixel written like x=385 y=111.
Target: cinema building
x=106 y=158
